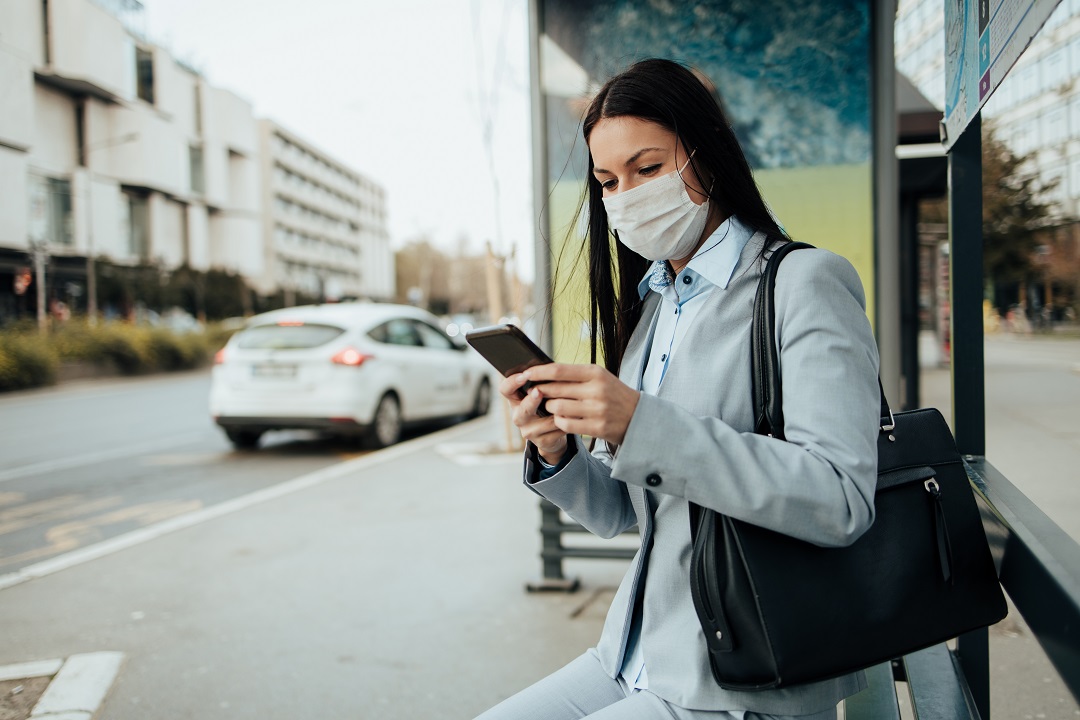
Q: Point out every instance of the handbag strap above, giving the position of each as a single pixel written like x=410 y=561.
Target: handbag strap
x=764 y=361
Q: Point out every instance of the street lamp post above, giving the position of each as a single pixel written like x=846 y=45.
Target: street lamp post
x=91 y=268
x=40 y=251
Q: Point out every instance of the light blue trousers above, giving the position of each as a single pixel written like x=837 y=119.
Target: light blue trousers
x=583 y=690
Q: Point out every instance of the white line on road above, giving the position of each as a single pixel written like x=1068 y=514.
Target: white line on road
x=100 y=456
x=180 y=522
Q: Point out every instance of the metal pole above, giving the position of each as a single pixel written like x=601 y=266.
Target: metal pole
x=886 y=199
x=966 y=280
x=966 y=342
x=91 y=267
x=39 y=280
x=540 y=183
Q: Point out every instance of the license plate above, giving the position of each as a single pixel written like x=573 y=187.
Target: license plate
x=273 y=371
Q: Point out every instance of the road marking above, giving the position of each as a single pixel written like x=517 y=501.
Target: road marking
x=35 y=668
x=80 y=686
x=99 y=456
x=197 y=517
x=76 y=533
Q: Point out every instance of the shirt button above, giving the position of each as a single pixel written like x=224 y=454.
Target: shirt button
x=687 y=280
x=663 y=357
x=653 y=480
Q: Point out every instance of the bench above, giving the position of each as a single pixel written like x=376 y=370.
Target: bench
x=936 y=688
x=1038 y=566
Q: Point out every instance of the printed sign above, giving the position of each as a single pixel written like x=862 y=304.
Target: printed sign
x=983 y=40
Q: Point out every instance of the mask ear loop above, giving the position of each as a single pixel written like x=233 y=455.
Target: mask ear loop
x=707 y=193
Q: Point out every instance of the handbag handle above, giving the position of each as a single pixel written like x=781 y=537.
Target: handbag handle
x=764 y=361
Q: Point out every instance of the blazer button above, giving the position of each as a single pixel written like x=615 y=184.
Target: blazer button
x=652 y=480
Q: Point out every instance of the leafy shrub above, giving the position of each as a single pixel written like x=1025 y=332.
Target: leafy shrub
x=168 y=351
x=26 y=361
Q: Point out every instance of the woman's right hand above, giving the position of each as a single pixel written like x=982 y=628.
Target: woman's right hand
x=549 y=440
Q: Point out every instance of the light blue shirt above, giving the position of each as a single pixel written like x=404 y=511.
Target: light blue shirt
x=682 y=297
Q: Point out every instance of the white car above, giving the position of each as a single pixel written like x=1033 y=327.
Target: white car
x=352 y=369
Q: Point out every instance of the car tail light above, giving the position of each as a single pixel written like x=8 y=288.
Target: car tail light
x=351 y=357
x=219 y=356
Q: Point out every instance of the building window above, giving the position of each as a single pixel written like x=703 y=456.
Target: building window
x=198 y=174
x=197 y=109
x=46 y=35
x=1055 y=126
x=50 y=211
x=144 y=74
x=80 y=131
x=134 y=224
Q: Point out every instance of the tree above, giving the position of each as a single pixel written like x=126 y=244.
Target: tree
x=1017 y=217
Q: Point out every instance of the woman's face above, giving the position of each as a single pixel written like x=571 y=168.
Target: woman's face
x=628 y=152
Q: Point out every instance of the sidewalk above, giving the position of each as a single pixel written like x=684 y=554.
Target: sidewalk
x=393 y=591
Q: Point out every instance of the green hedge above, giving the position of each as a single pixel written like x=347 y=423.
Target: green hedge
x=29 y=359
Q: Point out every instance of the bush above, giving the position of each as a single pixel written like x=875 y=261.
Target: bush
x=129 y=348
x=26 y=361
x=168 y=351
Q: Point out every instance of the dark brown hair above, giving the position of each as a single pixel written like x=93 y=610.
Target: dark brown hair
x=672 y=96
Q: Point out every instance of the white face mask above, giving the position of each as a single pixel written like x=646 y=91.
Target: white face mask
x=658 y=220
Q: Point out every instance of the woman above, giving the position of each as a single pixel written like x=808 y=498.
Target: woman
x=672 y=410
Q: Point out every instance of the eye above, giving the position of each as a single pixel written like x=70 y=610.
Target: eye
x=608 y=184
x=649 y=169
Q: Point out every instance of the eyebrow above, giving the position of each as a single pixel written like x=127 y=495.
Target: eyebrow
x=633 y=159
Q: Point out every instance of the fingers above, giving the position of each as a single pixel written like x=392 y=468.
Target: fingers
x=564 y=372
x=510 y=386
x=528 y=405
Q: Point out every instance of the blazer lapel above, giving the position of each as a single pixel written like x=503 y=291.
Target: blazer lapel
x=637 y=350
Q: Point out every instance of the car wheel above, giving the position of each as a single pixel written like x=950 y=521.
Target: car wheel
x=244 y=439
x=386 y=425
x=482 y=403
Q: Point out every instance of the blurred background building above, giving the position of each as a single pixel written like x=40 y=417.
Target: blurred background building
x=1037 y=108
x=112 y=149
x=325 y=232
x=1035 y=114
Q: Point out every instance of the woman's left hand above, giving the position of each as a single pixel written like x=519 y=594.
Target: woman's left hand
x=586 y=399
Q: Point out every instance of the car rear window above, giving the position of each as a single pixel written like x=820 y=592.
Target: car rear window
x=286 y=337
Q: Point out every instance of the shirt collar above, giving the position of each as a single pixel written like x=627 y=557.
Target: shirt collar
x=714 y=261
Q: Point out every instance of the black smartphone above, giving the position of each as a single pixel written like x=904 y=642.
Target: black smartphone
x=510 y=351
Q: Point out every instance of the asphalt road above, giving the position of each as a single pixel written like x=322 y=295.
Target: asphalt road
x=91 y=460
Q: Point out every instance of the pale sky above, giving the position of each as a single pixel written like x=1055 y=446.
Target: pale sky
x=392 y=89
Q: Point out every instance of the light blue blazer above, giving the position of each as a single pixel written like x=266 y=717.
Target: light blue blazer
x=696 y=438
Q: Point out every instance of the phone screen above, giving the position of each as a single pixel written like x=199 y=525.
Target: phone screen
x=507 y=348
x=510 y=351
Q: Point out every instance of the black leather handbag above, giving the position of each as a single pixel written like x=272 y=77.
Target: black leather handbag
x=777 y=611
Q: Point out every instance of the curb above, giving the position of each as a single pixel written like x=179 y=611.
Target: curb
x=78 y=686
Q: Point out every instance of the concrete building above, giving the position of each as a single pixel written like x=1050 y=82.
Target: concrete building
x=110 y=147
x=325 y=225
x=1036 y=109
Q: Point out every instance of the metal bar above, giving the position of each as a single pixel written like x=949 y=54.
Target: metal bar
x=966 y=279
x=886 y=183
x=937 y=687
x=909 y=301
x=551 y=545
x=878 y=700
x=966 y=343
x=592 y=553
x=1038 y=565
x=540 y=183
